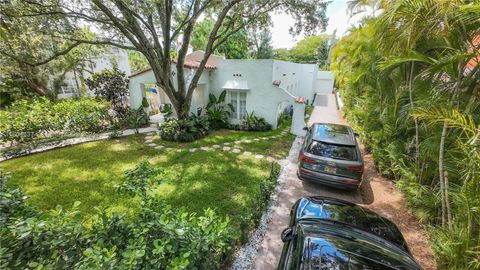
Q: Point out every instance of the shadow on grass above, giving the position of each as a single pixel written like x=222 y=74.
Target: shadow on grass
x=88 y=173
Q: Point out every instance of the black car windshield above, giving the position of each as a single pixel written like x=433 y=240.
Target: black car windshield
x=334 y=151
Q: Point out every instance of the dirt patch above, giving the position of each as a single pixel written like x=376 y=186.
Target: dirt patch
x=379 y=194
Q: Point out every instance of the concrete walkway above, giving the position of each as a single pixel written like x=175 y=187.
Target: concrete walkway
x=381 y=196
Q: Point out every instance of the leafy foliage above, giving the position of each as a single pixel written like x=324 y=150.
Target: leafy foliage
x=254 y=123
x=235 y=46
x=184 y=130
x=140 y=180
x=261 y=44
x=407 y=83
x=112 y=86
x=137 y=61
x=313 y=49
x=29 y=121
x=159 y=238
x=217 y=111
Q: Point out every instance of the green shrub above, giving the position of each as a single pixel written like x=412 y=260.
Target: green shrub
x=184 y=130
x=255 y=123
x=111 y=85
x=139 y=180
x=158 y=238
x=134 y=118
x=252 y=123
x=28 y=121
x=217 y=111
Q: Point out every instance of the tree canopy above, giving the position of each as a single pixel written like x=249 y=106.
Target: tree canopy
x=32 y=60
x=153 y=28
x=312 y=49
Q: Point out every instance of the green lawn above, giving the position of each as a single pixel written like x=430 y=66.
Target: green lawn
x=88 y=173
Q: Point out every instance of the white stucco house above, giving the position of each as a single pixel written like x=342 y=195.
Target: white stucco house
x=264 y=87
x=73 y=85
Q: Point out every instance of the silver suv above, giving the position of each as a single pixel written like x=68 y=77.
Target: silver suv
x=330 y=155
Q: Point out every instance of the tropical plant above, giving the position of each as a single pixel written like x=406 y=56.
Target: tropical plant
x=112 y=85
x=255 y=123
x=184 y=130
x=413 y=94
x=217 y=111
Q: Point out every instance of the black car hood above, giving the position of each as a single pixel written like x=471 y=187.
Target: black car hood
x=347 y=213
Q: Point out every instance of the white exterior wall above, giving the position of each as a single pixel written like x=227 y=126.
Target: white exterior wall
x=324 y=82
x=108 y=60
x=307 y=81
x=137 y=89
x=263 y=98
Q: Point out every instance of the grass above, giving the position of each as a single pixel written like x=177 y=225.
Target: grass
x=89 y=172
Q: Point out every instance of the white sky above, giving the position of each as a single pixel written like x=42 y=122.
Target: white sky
x=338 y=19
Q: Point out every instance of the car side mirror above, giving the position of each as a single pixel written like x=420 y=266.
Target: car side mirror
x=305 y=128
x=356 y=134
x=287 y=235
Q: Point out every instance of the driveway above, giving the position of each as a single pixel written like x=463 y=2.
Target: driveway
x=376 y=193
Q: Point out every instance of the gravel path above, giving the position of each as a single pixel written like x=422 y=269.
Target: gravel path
x=263 y=249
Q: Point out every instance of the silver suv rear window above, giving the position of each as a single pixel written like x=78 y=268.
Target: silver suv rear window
x=334 y=151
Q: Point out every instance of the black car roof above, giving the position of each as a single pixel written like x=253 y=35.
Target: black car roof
x=325 y=208
x=330 y=248
x=333 y=133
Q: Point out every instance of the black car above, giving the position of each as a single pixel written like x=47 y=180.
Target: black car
x=326 y=233
x=330 y=155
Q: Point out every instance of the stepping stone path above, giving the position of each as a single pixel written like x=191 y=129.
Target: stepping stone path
x=226 y=146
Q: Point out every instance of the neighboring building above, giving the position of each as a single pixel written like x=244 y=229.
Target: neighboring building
x=264 y=87
x=74 y=85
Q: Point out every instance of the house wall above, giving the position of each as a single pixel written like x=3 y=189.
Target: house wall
x=107 y=60
x=263 y=98
x=307 y=81
x=324 y=82
x=137 y=89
